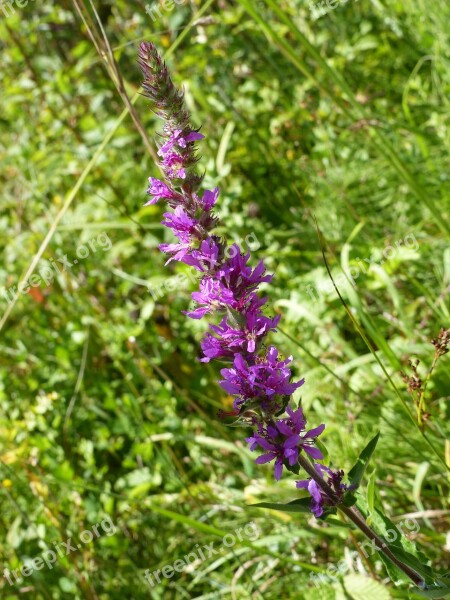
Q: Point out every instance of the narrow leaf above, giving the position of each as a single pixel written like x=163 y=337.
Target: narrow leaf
x=303 y=505
x=402 y=548
x=434 y=592
x=356 y=473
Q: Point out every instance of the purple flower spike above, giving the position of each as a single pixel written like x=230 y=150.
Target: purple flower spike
x=257 y=377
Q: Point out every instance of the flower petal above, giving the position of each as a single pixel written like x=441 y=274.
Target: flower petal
x=314 y=452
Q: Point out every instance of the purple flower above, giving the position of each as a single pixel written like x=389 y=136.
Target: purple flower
x=278 y=451
x=240 y=380
x=231 y=339
x=193 y=136
x=212 y=295
x=179 y=252
x=176 y=138
x=213 y=347
x=205 y=257
x=173 y=164
x=257 y=327
x=231 y=285
x=239 y=277
x=318 y=497
x=158 y=189
x=284 y=439
x=295 y=425
x=181 y=223
x=209 y=198
x=265 y=378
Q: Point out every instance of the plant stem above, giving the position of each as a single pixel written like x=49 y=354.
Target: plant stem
x=421 y=402
x=357 y=519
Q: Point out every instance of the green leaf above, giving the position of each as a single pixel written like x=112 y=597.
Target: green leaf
x=359 y=587
x=293 y=468
x=401 y=547
x=67 y=585
x=434 y=591
x=349 y=499
x=303 y=505
x=321 y=592
x=337 y=523
x=323 y=449
x=417 y=563
x=356 y=473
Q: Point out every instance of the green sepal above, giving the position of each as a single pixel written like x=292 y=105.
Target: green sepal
x=293 y=469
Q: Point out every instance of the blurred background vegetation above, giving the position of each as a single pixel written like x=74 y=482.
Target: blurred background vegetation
x=105 y=409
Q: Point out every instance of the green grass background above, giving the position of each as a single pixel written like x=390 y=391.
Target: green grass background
x=105 y=409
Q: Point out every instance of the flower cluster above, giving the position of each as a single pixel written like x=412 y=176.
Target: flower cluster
x=284 y=439
x=258 y=378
